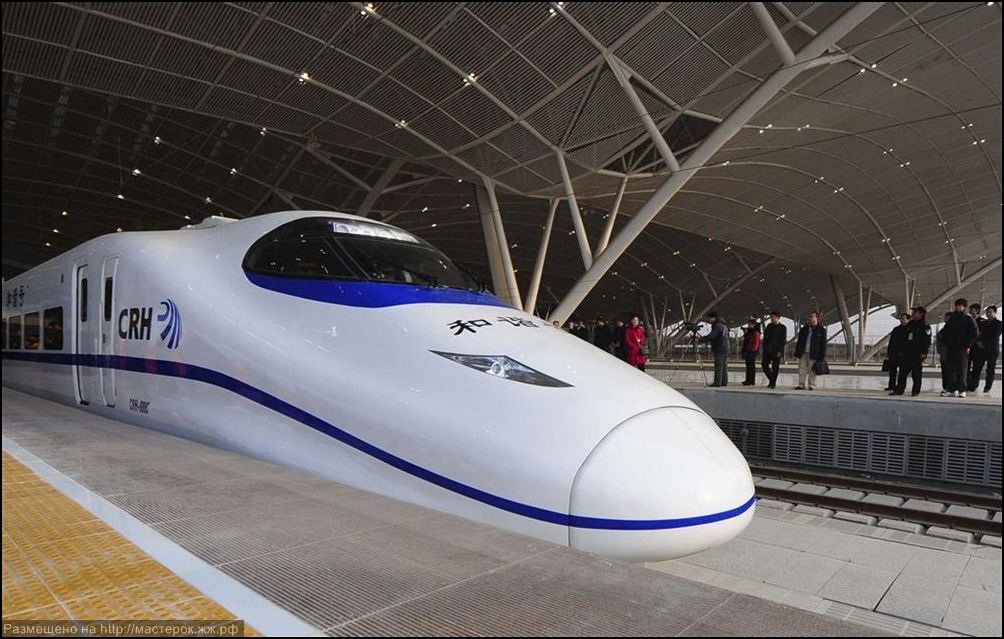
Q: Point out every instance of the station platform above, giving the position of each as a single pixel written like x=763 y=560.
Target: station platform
x=847 y=424
x=904 y=583
x=293 y=554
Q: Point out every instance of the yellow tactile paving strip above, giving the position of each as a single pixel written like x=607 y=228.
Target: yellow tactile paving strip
x=61 y=562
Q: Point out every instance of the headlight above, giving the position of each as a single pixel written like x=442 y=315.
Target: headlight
x=504 y=367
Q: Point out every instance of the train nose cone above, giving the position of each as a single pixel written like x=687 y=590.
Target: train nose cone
x=663 y=484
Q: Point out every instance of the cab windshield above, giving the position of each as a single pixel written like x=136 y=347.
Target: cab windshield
x=338 y=249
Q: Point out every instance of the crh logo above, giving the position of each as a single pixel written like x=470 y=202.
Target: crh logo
x=171 y=333
x=136 y=322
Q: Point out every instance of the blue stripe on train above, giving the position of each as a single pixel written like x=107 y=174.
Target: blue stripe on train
x=370 y=294
x=198 y=373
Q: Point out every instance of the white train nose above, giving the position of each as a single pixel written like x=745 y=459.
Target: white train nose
x=663 y=484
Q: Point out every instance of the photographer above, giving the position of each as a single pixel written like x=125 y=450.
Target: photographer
x=775 y=336
x=718 y=338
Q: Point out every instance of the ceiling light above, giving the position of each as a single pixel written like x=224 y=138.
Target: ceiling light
x=874 y=64
x=65 y=213
x=118 y=230
x=434 y=225
x=895 y=84
x=263 y=131
x=233 y=171
x=424 y=209
x=48 y=244
x=55 y=230
x=136 y=172
x=209 y=200
x=120 y=196
x=303 y=77
x=156 y=139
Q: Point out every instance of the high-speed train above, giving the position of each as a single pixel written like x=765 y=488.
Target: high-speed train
x=356 y=351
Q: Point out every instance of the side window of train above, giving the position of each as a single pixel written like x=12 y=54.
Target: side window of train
x=14 y=331
x=5 y=333
x=108 y=299
x=52 y=329
x=296 y=256
x=31 y=332
x=83 y=300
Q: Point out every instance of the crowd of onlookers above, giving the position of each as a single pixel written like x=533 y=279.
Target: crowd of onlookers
x=967 y=343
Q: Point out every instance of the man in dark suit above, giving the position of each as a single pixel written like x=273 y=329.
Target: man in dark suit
x=809 y=349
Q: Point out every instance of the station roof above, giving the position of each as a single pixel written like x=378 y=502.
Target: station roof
x=881 y=168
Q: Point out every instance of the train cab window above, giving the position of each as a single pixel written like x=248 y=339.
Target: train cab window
x=297 y=256
x=108 y=299
x=83 y=300
x=338 y=248
x=52 y=329
x=14 y=331
x=31 y=332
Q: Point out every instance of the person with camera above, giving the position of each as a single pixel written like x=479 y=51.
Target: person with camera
x=635 y=343
x=916 y=342
x=775 y=336
x=809 y=349
x=718 y=338
x=751 y=349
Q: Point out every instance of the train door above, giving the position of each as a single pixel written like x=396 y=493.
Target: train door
x=86 y=336
x=107 y=344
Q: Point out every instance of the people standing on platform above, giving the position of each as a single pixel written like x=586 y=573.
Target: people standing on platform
x=581 y=331
x=895 y=352
x=603 y=335
x=634 y=343
x=959 y=334
x=943 y=354
x=751 y=349
x=989 y=343
x=775 y=336
x=916 y=342
x=977 y=358
x=618 y=345
x=809 y=349
x=718 y=339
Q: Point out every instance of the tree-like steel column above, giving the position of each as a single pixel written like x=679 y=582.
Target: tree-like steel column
x=711 y=145
x=511 y=287
x=538 y=267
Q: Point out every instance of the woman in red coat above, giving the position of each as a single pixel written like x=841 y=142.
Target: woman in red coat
x=634 y=340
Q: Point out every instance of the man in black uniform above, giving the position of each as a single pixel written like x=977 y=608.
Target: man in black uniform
x=916 y=342
x=895 y=352
x=990 y=337
x=603 y=336
x=775 y=336
x=976 y=355
x=958 y=336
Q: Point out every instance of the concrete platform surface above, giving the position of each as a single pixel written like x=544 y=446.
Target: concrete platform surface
x=907 y=584
x=347 y=562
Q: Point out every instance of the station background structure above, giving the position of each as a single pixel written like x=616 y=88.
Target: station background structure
x=838 y=156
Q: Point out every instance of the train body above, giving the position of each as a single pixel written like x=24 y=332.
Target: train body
x=355 y=351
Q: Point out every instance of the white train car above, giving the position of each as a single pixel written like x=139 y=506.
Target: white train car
x=353 y=350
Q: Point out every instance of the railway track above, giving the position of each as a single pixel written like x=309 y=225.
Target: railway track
x=978 y=526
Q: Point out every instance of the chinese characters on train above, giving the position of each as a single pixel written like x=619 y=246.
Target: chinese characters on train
x=472 y=325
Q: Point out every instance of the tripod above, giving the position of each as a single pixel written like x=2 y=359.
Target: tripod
x=697 y=356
